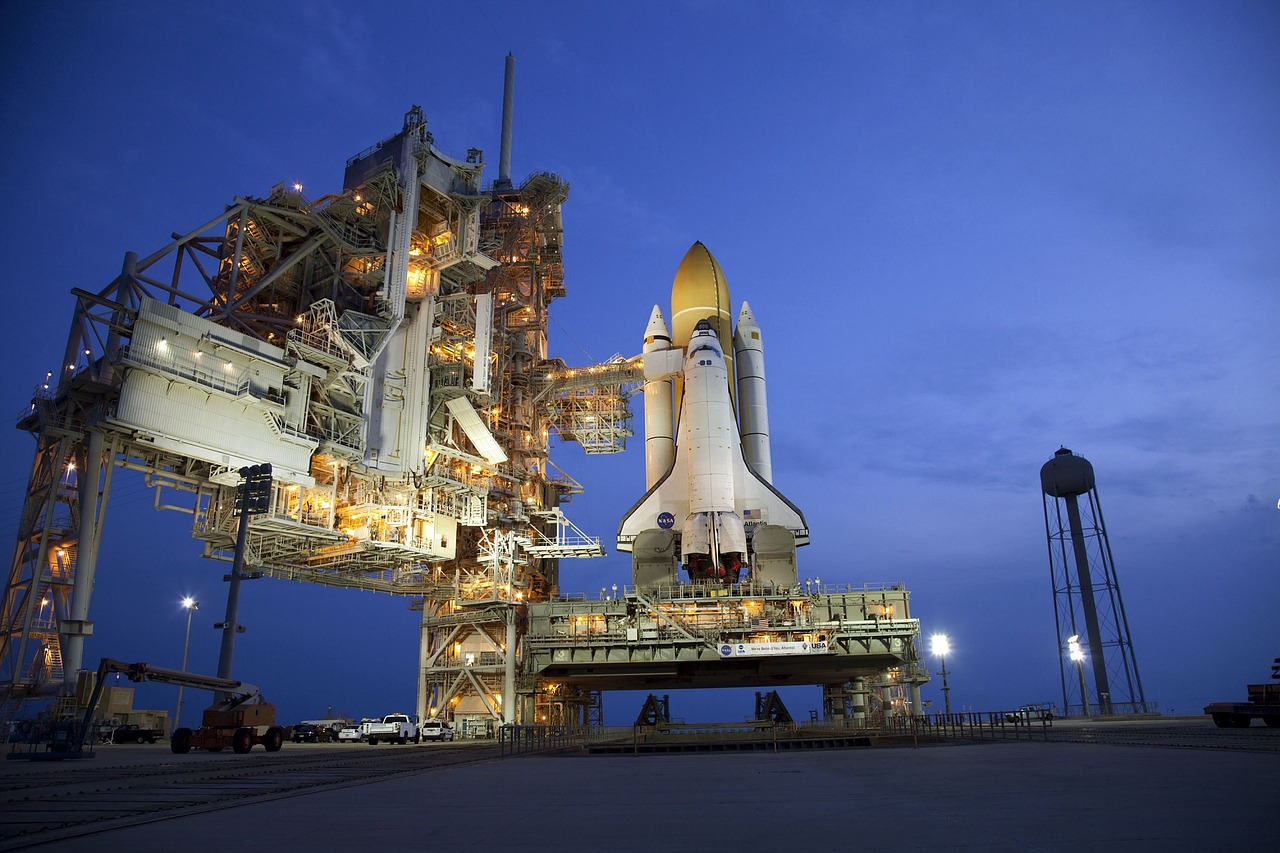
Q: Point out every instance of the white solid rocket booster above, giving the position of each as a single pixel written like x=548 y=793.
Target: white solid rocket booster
x=659 y=435
x=753 y=407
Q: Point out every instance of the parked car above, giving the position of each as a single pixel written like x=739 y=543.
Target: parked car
x=133 y=733
x=312 y=733
x=436 y=730
x=350 y=734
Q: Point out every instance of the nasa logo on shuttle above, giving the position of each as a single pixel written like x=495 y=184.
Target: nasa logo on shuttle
x=666 y=520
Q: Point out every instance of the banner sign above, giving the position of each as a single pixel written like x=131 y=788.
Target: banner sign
x=747 y=650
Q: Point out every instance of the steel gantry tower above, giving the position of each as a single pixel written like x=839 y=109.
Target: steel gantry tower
x=385 y=350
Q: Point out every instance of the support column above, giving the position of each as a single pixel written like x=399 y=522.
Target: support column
x=509 y=675
x=424 y=654
x=1092 y=629
x=27 y=571
x=527 y=708
x=860 y=693
x=835 y=704
x=93 y=490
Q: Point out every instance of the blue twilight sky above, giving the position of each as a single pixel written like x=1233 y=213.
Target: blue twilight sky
x=971 y=231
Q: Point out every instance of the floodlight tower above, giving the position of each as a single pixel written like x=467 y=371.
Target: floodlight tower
x=941 y=646
x=1086 y=592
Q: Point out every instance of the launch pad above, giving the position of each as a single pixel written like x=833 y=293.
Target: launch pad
x=385 y=350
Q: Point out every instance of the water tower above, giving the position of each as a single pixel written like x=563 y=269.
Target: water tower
x=1093 y=631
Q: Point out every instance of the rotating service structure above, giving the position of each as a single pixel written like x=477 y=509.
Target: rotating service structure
x=384 y=349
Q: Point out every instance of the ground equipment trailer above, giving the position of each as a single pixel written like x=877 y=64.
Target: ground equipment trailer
x=1264 y=702
x=239 y=717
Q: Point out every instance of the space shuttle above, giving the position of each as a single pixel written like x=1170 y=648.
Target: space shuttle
x=711 y=510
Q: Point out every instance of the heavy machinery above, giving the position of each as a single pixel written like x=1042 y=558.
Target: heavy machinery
x=239 y=717
x=1264 y=702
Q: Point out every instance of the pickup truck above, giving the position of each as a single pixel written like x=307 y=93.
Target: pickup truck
x=1034 y=712
x=135 y=734
x=394 y=728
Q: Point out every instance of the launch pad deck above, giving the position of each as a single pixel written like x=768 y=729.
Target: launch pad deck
x=1021 y=795
x=682 y=636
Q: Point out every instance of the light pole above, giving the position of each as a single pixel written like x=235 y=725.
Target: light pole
x=939 y=646
x=1077 y=654
x=252 y=497
x=192 y=605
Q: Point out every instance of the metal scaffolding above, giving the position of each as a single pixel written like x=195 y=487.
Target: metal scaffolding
x=385 y=349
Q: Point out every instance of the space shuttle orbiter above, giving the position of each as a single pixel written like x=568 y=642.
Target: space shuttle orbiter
x=710 y=507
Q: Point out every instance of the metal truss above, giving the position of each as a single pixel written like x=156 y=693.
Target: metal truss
x=310 y=285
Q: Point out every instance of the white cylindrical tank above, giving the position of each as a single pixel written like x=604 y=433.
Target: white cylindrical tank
x=753 y=406
x=659 y=425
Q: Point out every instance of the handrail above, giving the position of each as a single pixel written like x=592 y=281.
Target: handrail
x=967 y=726
x=522 y=740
